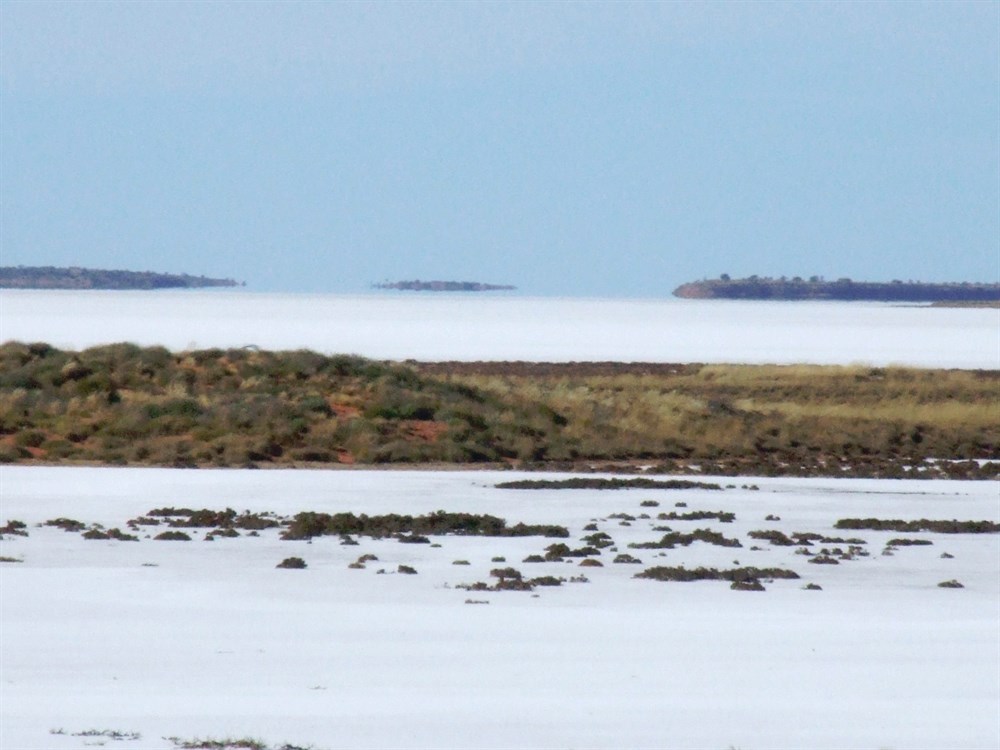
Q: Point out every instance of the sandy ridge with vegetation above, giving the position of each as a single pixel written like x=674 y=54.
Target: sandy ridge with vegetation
x=123 y=404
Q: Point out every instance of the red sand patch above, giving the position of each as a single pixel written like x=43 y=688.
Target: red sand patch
x=426 y=431
x=343 y=410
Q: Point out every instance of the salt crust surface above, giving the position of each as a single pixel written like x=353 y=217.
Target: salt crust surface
x=474 y=327
x=216 y=642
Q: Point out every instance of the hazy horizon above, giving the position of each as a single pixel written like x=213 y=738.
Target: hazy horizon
x=570 y=149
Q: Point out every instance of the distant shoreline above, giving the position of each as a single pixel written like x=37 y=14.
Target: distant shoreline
x=443 y=286
x=51 y=277
x=817 y=289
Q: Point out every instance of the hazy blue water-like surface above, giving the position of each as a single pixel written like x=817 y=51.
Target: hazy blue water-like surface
x=477 y=327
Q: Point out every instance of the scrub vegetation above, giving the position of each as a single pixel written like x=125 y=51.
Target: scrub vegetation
x=127 y=405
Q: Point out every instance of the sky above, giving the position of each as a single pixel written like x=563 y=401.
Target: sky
x=576 y=149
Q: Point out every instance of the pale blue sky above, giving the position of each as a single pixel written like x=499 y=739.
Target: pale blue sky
x=600 y=149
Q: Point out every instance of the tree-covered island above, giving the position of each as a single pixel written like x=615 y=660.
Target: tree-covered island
x=443 y=286
x=51 y=277
x=817 y=288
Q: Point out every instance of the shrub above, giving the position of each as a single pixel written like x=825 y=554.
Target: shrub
x=773 y=536
x=824 y=560
x=626 y=559
x=121 y=536
x=293 y=563
x=751 y=584
x=556 y=552
x=952 y=584
x=413 y=539
x=460 y=562
x=534 y=559
x=15 y=528
x=30 y=439
x=505 y=573
x=407 y=570
x=906 y=542
x=598 y=540
x=590 y=562
x=173 y=536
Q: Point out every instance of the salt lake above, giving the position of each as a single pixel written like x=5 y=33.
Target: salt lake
x=498 y=327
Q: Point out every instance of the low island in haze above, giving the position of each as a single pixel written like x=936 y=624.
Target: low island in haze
x=443 y=286
x=817 y=288
x=51 y=277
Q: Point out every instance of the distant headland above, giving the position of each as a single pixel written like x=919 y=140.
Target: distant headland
x=443 y=286
x=817 y=288
x=50 y=277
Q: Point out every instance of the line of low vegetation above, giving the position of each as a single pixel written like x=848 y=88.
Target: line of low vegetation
x=673 y=538
x=938 y=527
x=680 y=573
x=723 y=516
x=147 y=406
x=308 y=525
x=595 y=483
